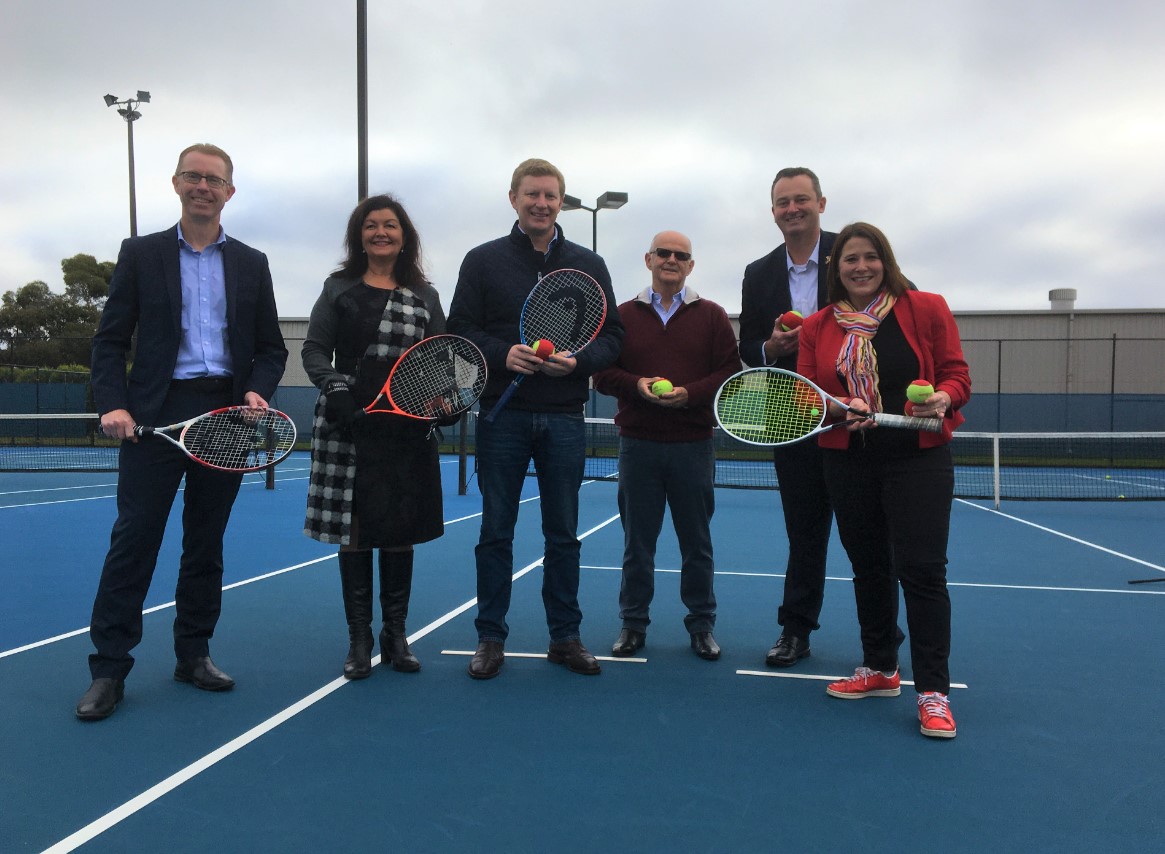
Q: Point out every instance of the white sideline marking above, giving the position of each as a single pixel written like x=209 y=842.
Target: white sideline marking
x=815 y=677
x=115 y=816
x=541 y=655
x=1069 y=537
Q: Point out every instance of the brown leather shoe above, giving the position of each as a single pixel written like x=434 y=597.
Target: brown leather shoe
x=202 y=673
x=575 y=656
x=101 y=700
x=488 y=660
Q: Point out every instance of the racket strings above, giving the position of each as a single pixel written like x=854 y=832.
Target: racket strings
x=440 y=378
x=240 y=438
x=770 y=408
x=566 y=308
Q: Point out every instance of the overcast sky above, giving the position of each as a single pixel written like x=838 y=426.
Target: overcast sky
x=1006 y=148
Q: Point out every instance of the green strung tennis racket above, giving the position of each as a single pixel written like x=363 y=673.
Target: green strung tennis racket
x=771 y=406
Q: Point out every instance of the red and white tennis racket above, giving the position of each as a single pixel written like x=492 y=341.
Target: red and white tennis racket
x=235 y=439
x=436 y=377
x=771 y=406
x=566 y=308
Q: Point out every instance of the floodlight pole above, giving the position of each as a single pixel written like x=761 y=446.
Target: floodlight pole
x=609 y=201
x=361 y=100
x=127 y=109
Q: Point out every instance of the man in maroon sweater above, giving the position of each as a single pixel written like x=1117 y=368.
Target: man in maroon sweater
x=665 y=440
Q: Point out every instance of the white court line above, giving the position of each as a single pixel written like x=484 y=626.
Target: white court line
x=542 y=655
x=116 y=816
x=1056 y=533
x=166 y=605
x=814 y=677
x=1050 y=589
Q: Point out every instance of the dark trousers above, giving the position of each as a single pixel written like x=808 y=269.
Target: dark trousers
x=149 y=474
x=808 y=518
x=679 y=475
x=893 y=516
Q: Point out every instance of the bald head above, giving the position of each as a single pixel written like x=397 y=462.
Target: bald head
x=669 y=274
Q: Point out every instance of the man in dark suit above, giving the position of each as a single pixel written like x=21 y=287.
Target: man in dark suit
x=792 y=277
x=202 y=307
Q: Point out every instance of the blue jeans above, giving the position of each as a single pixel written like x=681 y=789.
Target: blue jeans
x=680 y=475
x=557 y=444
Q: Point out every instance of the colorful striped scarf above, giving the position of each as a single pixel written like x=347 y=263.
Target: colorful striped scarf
x=857 y=363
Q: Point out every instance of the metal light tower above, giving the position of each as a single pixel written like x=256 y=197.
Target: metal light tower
x=127 y=109
x=609 y=201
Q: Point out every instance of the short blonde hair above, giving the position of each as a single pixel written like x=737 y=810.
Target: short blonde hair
x=213 y=151
x=536 y=168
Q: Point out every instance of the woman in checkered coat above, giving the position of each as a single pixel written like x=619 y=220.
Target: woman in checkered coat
x=375 y=482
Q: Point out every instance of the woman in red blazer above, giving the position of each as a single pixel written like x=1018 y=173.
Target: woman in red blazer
x=891 y=489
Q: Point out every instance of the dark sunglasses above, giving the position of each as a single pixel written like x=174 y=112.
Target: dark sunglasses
x=667 y=253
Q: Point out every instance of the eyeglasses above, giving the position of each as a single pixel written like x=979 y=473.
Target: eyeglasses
x=212 y=181
x=667 y=253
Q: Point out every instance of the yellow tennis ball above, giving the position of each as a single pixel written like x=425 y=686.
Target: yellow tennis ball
x=661 y=387
x=918 y=391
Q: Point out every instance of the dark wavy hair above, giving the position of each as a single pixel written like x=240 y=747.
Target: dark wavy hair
x=408 y=270
x=892 y=278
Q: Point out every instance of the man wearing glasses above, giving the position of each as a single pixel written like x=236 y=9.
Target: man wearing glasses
x=202 y=308
x=679 y=348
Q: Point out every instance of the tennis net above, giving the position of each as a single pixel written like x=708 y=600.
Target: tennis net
x=992 y=466
x=72 y=442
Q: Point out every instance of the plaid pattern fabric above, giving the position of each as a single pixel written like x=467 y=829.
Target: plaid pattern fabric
x=331 y=486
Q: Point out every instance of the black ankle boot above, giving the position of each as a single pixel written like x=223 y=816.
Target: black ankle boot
x=356 y=583
x=396 y=586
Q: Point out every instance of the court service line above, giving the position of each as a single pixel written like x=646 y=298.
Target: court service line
x=815 y=677
x=166 y=605
x=1069 y=537
x=1048 y=588
x=135 y=804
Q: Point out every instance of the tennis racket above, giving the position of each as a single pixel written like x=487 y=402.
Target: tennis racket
x=566 y=308
x=438 y=376
x=771 y=406
x=235 y=439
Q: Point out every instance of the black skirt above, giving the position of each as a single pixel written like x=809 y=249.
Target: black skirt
x=397 y=497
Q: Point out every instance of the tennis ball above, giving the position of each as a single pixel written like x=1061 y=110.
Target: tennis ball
x=814 y=411
x=661 y=387
x=790 y=320
x=543 y=349
x=918 y=391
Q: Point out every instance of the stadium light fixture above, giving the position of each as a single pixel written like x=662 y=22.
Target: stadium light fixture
x=609 y=201
x=127 y=109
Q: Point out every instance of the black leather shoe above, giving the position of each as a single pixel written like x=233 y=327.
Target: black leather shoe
x=575 y=656
x=787 y=650
x=101 y=700
x=488 y=660
x=629 y=643
x=202 y=673
x=705 y=646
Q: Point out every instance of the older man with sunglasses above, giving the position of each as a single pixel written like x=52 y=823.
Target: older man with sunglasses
x=666 y=455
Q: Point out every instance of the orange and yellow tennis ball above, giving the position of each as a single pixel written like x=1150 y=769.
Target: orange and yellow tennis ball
x=791 y=320
x=542 y=348
x=919 y=391
x=661 y=387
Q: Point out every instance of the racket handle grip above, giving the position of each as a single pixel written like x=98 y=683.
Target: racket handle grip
x=910 y=422
x=505 y=398
x=140 y=430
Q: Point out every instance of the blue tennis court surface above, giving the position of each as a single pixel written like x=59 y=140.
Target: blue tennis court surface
x=1060 y=733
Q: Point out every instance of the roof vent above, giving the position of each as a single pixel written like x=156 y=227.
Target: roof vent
x=1063 y=299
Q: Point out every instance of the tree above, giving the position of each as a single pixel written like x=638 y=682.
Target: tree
x=45 y=329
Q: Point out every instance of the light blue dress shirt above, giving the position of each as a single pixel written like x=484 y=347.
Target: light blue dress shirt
x=205 y=348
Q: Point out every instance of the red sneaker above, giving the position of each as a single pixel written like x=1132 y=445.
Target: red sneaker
x=866 y=683
x=934 y=714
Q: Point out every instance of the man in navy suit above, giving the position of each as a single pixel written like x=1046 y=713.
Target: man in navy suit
x=792 y=277
x=202 y=307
